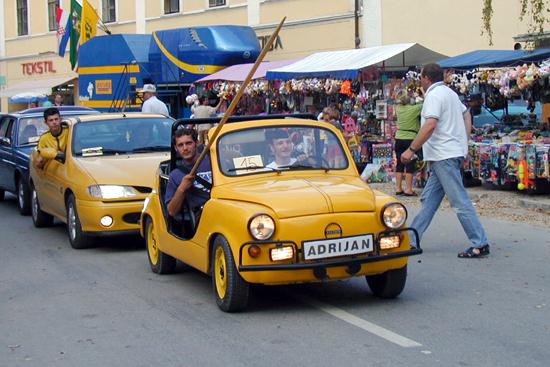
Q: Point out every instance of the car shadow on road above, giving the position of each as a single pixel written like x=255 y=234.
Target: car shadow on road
x=347 y=293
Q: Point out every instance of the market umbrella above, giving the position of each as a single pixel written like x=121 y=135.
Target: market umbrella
x=27 y=97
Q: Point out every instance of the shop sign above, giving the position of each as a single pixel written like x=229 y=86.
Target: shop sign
x=104 y=86
x=277 y=44
x=38 y=67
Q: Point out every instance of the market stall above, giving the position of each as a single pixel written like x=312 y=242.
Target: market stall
x=361 y=84
x=225 y=83
x=511 y=149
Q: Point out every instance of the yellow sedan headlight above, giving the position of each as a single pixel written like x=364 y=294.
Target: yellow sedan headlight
x=394 y=215
x=261 y=227
x=112 y=191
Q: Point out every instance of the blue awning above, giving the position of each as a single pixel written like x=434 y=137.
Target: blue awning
x=494 y=58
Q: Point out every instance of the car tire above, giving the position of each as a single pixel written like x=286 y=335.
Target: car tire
x=39 y=218
x=23 y=197
x=389 y=284
x=230 y=289
x=160 y=262
x=77 y=237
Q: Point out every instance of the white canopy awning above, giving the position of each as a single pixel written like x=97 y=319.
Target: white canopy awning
x=37 y=86
x=347 y=63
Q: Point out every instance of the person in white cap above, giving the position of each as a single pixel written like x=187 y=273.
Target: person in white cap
x=151 y=103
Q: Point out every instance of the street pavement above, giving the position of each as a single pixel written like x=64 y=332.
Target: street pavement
x=104 y=307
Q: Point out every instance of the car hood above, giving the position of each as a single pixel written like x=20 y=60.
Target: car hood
x=131 y=170
x=294 y=197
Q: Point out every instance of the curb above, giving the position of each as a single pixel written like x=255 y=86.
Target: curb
x=536 y=204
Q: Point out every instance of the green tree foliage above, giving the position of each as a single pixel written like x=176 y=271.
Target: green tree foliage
x=535 y=11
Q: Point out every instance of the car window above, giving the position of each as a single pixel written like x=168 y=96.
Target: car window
x=126 y=135
x=4 y=123
x=30 y=129
x=277 y=148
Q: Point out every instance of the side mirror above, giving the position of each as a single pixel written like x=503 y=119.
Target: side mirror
x=5 y=141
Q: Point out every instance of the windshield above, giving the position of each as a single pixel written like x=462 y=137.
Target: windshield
x=280 y=148
x=30 y=130
x=121 y=136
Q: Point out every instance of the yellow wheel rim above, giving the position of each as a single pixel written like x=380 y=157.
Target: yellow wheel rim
x=152 y=244
x=220 y=273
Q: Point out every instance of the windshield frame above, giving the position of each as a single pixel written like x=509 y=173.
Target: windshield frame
x=116 y=120
x=294 y=125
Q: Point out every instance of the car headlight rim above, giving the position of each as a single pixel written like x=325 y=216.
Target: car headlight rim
x=390 y=209
x=267 y=229
x=112 y=191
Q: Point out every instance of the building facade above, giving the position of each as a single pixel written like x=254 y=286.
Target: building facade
x=28 y=37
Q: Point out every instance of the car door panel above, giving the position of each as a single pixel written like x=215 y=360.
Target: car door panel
x=52 y=200
x=7 y=159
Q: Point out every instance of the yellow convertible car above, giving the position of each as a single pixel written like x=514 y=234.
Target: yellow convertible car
x=98 y=187
x=286 y=205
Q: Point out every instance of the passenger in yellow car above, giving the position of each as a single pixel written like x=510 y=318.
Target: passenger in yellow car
x=55 y=138
x=281 y=147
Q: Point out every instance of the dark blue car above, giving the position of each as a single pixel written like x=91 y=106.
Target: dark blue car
x=19 y=134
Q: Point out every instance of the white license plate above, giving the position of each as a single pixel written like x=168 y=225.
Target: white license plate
x=342 y=246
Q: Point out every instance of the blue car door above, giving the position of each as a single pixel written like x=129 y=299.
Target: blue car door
x=7 y=162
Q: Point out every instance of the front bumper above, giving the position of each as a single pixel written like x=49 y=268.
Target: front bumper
x=125 y=215
x=351 y=262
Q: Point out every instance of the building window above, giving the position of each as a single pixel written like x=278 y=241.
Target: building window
x=214 y=3
x=109 y=11
x=171 y=6
x=22 y=18
x=52 y=5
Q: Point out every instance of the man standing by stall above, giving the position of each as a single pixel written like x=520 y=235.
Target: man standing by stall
x=443 y=136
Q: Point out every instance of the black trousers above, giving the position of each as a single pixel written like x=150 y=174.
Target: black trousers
x=400 y=146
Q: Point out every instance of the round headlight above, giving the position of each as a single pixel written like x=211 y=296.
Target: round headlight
x=394 y=215
x=261 y=227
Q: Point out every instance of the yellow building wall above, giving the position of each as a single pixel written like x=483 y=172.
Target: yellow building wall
x=155 y=8
x=450 y=27
x=126 y=10
x=10 y=19
x=223 y=16
x=193 y=5
x=301 y=41
x=273 y=11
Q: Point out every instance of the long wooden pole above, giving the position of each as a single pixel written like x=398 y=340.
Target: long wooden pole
x=237 y=98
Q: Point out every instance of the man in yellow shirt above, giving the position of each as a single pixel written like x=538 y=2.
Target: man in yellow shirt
x=55 y=137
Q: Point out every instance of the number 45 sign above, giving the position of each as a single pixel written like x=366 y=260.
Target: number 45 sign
x=252 y=162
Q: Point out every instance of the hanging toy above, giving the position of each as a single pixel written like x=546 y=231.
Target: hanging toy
x=523 y=179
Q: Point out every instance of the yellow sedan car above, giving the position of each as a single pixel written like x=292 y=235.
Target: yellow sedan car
x=287 y=205
x=99 y=186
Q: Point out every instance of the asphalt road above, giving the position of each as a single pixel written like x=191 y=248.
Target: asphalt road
x=104 y=307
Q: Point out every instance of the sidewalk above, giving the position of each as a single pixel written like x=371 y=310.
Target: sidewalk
x=514 y=206
x=542 y=203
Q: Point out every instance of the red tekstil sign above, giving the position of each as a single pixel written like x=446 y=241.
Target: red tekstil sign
x=38 y=67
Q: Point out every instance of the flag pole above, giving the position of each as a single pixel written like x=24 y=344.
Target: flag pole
x=237 y=98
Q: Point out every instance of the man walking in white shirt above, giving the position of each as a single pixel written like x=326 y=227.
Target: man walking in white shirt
x=151 y=103
x=446 y=125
